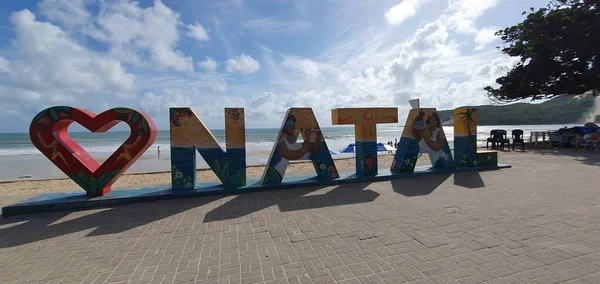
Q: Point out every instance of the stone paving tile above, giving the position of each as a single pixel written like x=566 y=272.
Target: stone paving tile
x=538 y=222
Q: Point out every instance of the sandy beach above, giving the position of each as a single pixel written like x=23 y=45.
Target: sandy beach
x=33 y=187
x=137 y=180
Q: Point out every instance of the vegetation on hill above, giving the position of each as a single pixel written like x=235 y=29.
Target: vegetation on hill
x=560 y=110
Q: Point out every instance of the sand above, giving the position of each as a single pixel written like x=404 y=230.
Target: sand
x=34 y=187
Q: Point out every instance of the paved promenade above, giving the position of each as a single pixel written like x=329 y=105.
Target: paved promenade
x=538 y=222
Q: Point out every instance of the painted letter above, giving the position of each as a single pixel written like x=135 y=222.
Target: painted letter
x=423 y=133
x=365 y=122
x=48 y=132
x=465 y=137
x=189 y=133
x=299 y=121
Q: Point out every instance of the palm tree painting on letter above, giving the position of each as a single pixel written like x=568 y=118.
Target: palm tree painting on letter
x=468 y=117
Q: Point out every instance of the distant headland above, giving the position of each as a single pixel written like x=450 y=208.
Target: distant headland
x=559 y=110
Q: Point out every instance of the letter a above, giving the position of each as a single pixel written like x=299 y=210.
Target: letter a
x=299 y=121
x=189 y=133
x=423 y=133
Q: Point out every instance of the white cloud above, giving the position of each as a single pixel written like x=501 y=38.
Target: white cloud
x=429 y=66
x=219 y=85
x=230 y=5
x=470 y=90
x=197 y=32
x=143 y=36
x=208 y=64
x=244 y=64
x=50 y=67
x=366 y=63
x=403 y=11
x=12 y=95
x=69 y=13
x=306 y=66
x=278 y=103
x=125 y=95
x=462 y=14
x=209 y=107
x=192 y=81
x=270 y=25
x=4 y=65
x=153 y=103
x=485 y=36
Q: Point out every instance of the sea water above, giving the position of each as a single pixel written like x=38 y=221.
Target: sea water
x=18 y=157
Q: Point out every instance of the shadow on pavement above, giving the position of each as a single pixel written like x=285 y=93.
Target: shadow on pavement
x=419 y=185
x=469 y=180
x=591 y=158
x=103 y=221
x=20 y=230
x=292 y=200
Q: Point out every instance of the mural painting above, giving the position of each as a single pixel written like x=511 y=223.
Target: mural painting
x=423 y=133
x=49 y=133
x=365 y=122
x=299 y=122
x=465 y=137
x=189 y=134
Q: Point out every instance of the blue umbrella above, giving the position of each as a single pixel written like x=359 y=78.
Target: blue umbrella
x=348 y=149
x=381 y=148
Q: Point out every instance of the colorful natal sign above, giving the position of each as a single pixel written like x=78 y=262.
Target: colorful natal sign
x=465 y=137
x=365 y=122
x=299 y=121
x=423 y=132
x=189 y=134
x=48 y=132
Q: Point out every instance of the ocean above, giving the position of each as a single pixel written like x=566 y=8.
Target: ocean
x=18 y=157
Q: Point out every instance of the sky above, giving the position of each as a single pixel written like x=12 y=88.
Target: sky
x=263 y=55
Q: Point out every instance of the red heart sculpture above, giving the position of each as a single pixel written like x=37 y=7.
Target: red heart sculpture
x=48 y=132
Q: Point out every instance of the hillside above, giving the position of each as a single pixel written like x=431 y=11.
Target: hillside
x=560 y=110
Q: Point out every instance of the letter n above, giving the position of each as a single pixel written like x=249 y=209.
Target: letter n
x=299 y=121
x=188 y=134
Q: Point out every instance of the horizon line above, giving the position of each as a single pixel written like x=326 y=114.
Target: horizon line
x=339 y=126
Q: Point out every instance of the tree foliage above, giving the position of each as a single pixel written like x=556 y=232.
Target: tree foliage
x=559 y=51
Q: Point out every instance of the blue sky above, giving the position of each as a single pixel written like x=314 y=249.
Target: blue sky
x=263 y=55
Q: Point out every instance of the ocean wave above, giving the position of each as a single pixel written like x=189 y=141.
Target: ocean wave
x=257 y=141
x=110 y=148
x=19 y=151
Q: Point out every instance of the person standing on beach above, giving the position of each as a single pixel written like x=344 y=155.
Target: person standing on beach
x=159 y=152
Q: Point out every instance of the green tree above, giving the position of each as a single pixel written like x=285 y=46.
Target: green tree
x=559 y=51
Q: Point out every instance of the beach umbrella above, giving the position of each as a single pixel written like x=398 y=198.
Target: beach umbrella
x=381 y=147
x=348 y=149
x=389 y=148
x=590 y=124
